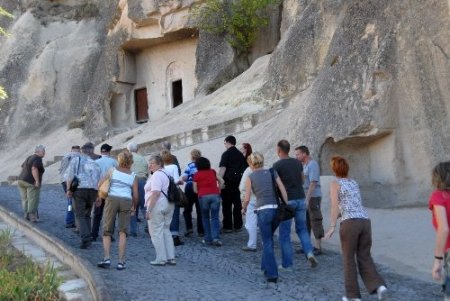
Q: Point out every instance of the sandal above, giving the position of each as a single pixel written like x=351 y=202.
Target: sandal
x=121 y=266
x=171 y=262
x=105 y=263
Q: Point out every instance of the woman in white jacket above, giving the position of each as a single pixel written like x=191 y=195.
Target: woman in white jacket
x=251 y=222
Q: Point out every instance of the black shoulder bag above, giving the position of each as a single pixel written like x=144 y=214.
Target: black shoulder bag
x=284 y=211
x=75 y=182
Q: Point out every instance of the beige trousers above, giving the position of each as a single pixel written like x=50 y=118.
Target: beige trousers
x=159 y=226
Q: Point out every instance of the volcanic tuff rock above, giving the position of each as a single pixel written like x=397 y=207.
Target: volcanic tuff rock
x=365 y=79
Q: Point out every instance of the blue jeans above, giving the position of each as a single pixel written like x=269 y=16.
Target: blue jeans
x=210 y=205
x=70 y=216
x=268 y=223
x=133 y=218
x=175 y=223
x=287 y=253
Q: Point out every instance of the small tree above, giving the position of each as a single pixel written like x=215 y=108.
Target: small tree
x=4 y=13
x=239 y=20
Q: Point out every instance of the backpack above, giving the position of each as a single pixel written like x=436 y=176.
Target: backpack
x=174 y=194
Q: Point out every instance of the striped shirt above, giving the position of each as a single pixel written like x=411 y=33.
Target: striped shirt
x=350 y=204
x=190 y=171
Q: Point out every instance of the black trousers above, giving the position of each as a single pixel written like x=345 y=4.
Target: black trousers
x=97 y=219
x=231 y=207
x=187 y=212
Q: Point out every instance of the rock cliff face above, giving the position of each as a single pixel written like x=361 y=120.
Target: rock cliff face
x=368 y=80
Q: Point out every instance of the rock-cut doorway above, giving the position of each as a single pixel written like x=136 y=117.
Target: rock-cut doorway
x=141 y=105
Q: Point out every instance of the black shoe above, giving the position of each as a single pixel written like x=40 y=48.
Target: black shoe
x=177 y=241
x=133 y=234
x=188 y=233
x=317 y=251
x=94 y=238
x=85 y=244
x=113 y=239
x=138 y=220
x=227 y=231
x=201 y=234
x=70 y=225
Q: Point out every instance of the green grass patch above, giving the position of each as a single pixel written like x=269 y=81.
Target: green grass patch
x=21 y=278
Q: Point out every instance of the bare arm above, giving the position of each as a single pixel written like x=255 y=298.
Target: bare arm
x=334 y=213
x=135 y=194
x=441 y=239
x=222 y=171
x=194 y=187
x=35 y=173
x=311 y=188
x=220 y=180
x=248 y=191
x=282 y=189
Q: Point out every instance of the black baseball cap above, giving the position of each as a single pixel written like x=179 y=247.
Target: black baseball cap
x=105 y=148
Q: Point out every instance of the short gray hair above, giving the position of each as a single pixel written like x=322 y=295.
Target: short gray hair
x=39 y=148
x=132 y=147
x=166 y=145
x=158 y=160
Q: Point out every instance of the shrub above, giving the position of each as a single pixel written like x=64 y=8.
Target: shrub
x=239 y=20
x=21 y=278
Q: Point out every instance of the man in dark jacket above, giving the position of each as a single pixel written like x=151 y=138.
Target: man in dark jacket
x=232 y=165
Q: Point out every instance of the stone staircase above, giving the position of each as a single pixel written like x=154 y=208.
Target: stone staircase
x=194 y=136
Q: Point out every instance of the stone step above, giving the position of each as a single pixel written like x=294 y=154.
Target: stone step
x=12 y=179
x=210 y=132
x=47 y=163
x=57 y=158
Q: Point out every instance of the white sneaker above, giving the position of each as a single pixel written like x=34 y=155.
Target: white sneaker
x=382 y=292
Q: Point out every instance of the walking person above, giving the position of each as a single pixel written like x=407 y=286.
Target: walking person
x=88 y=174
x=232 y=165
x=207 y=185
x=159 y=213
x=188 y=175
x=439 y=204
x=140 y=168
x=261 y=183
x=106 y=162
x=313 y=200
x=122 y=200
x=171 y=169
x=355 y=234
x=74 y=153
x=290 y=171
x=251 y=221
x=29 y=183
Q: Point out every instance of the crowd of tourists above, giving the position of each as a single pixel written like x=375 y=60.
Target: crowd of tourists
x=250 y=195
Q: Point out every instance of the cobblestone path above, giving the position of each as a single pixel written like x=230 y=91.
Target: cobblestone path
x=209 y=273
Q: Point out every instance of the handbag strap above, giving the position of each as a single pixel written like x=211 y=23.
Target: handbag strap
x=78 y=167
x=272 y=174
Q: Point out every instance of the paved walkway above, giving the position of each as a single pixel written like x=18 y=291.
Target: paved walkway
x=208 y=273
